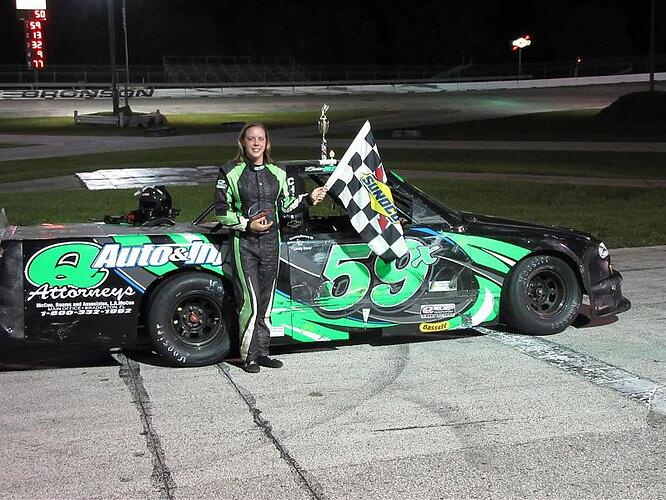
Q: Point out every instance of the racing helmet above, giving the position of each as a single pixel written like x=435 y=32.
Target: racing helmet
x=155 y=207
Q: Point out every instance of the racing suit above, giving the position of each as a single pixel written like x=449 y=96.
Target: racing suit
x=244 y=191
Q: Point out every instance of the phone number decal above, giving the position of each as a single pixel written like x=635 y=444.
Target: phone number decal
x=85 y=308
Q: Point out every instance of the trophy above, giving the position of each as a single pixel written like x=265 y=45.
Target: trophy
x=323 y=124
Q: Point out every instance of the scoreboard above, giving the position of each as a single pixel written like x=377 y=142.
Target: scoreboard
x=33 y=13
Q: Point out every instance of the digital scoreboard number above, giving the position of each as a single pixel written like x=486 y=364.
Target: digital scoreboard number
x=34 y=16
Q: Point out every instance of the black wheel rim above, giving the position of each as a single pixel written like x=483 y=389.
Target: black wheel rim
x=546 y=293
x=196 y=320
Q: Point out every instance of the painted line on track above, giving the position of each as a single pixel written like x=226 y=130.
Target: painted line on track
x=632 y=386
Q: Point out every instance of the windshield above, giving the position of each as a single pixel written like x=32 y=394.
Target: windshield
x=413 y=204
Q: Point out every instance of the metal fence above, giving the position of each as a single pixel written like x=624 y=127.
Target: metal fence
x=229 y=71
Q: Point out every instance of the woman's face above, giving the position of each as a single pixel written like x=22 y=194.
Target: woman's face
x=254 y=144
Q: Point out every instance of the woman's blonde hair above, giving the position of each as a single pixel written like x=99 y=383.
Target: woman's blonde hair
x=241 y=151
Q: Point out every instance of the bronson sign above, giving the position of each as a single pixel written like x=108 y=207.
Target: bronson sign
x=74 y=93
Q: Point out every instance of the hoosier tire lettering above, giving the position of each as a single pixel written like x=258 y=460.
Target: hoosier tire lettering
x=186 y=319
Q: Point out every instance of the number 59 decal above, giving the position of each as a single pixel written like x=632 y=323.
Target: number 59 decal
x=352 y=274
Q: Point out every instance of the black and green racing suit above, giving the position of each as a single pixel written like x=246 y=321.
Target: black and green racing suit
x=243 y=191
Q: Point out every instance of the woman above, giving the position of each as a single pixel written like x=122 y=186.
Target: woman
x=250 y=192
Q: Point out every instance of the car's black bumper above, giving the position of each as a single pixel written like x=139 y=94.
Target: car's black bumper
x=606 y=297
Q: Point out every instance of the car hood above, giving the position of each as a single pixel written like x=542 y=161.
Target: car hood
x=522 y=227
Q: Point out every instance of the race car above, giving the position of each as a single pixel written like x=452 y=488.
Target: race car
x=116 y=284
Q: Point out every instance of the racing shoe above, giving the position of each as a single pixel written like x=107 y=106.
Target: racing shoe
x=269 y=362
x=251 y=367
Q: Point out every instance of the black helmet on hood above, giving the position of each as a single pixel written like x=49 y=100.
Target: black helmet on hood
x=155 y=207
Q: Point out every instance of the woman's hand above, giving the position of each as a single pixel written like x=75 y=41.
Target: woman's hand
x=260 y=225
x=318 y=194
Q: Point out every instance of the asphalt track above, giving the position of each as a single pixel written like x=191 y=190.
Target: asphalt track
x=385 y=112
x=483 y=414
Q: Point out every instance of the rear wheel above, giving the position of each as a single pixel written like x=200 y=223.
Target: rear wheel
x=186 y=320
x=542 y=296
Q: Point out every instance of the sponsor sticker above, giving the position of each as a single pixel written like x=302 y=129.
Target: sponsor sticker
x=437 y=311
x=381 y=199
x=434 y=327
x=442 y=286
x=66 y=284
x=319 y=169
x=117 y=256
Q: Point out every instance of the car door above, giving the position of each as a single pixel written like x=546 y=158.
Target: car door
x=339 y=286
x=328 y=279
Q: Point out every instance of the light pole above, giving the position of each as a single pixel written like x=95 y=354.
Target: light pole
x=112 y=49
x=578 y=61
x=126 y=57
x=519 y=44
x=652 y=37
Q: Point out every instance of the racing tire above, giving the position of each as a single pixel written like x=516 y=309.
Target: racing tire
x=542 y=296
x=186 y=320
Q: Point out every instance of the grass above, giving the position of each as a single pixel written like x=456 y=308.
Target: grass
x=583 y=125
x=622 y=217
x=593 y=164
x=82 y=206
x=19 y=170
x=9 y=145
x=563 y=163
x=185 y=124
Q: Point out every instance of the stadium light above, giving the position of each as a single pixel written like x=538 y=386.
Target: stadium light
x=518 y=45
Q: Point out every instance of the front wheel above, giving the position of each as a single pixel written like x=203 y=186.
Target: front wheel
x=542 y=296
x=186 y=320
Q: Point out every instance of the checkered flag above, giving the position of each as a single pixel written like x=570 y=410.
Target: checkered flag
x=359 y=182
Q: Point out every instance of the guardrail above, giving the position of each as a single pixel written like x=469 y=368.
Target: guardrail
x=143 y=94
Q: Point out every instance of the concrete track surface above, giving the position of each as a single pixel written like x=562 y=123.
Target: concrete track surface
x=483 y=414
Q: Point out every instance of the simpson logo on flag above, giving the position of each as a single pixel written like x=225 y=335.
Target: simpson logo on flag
x=359 y=182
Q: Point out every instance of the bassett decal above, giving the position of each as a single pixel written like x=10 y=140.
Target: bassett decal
x=434 y=327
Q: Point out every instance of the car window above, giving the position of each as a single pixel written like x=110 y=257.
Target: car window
x=412 y=204
x=425 y=209
x=415 y=208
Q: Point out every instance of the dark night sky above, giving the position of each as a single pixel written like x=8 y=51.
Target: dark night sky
x=370 y=32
